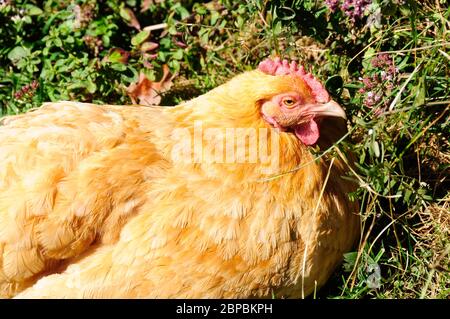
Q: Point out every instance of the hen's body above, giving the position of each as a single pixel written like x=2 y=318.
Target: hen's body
x=93 y=205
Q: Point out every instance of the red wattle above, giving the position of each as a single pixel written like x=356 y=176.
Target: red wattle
x=308 y=132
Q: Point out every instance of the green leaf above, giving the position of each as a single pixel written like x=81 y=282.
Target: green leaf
x=204 y=35
x=128 y=15
x=115 y=56
x=140 y=37
x=376 y=149
x=349 y=261
x=125 y=13
x=27 y=19
x=106 y=40
x=150 y=74
x=173 y=30
x=132 y=78
x=239 y=22
x=178 y=55
x=182 y=11
x=419 y=92
x=118 y=67
x=18 y=53
x=222 y=24
x=334 y=84
x=57 y=42
x=407 y=196
x=214 y=17
x=88 y=85
x=162 y=56
x=201 y=10
x=33 y=10
x=165 y=43
x=175 y=65
x=278 y=28
x=370 y=52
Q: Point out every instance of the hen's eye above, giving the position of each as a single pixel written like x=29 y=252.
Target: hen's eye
x=288 y=102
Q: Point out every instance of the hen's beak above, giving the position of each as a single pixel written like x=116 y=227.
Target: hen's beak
x=328 y=109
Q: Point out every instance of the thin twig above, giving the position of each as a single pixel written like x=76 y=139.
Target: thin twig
x=399 y=94
x=444 y=44
x=444 y=54
x=155 y=27
x=362 y=243
x=307 y=163
x=314 y=218
x=363 y=183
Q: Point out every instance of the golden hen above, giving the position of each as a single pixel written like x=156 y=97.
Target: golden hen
x=219 y=197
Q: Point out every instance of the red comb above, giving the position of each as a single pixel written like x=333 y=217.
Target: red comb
x=278 y=67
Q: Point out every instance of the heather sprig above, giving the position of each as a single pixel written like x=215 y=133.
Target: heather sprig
x=27 y=91
x=379 y=82
x=354 y=9
x=333 y=5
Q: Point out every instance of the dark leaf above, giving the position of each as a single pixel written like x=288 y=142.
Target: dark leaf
x=147 y=92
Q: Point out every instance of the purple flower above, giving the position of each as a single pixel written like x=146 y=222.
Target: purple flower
x=368 y=83
x=333 y=5
x=354 y=9
x=27 y=90
x=385 y=62
x=379 y=83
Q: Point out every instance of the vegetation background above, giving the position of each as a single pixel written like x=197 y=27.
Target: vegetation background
x=385 y=61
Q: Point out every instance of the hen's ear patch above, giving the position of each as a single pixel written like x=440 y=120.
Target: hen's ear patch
x=284 y=67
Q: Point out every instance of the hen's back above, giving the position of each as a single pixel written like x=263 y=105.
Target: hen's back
x=63 y=172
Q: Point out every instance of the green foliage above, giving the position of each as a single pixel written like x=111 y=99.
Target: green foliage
x=389 y=69
x=66 y=47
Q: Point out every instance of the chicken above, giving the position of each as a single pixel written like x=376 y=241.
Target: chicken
x=103 y=201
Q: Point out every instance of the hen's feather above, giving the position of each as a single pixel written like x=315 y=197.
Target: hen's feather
x=95 y=203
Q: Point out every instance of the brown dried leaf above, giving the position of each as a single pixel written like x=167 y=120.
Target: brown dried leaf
x=146 y=92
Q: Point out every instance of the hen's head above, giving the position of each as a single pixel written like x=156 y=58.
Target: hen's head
x=296 y=101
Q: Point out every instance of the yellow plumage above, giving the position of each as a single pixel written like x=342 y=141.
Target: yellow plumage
x=92 y=204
